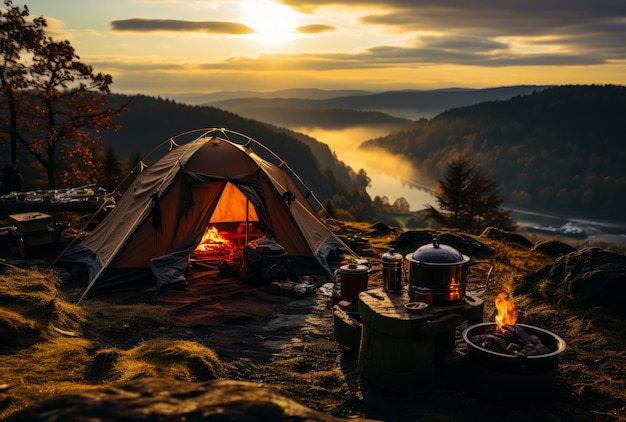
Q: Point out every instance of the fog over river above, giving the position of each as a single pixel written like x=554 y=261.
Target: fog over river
x=395 y=178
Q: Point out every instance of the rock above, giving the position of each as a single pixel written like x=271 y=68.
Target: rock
x=591 y=277
x=380 y=229
x=409 y=241
x=553 y=248
x=506 y=237
x=169 y=400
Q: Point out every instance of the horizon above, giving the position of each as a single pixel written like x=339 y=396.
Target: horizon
x=178 y=47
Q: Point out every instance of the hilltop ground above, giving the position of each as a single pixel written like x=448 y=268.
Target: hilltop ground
x=295 y=350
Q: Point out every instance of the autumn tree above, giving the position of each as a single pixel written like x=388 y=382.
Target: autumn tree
x=61 y=105
x=17 y=37
x=468 y=199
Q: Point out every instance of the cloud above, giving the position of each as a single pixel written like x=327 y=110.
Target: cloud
x=142 y=25
x=427 y=50
x=570 y=28
x=56 y=29
x=315 y=29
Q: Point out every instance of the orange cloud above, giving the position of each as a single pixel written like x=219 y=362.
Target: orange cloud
x=173 y=25
x=315 y=29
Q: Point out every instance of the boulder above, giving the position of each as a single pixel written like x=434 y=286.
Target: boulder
x=591 y=277
x=553 y=248
x=151 y=399
x=506 y=237
x=380 y=229
x=409 y=241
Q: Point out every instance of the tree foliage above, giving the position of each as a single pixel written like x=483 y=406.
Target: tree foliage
x=18 y=36
x=468 y=199
x=57 y=105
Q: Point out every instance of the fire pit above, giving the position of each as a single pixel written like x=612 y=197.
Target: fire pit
x=510 y=361
x=513 y=375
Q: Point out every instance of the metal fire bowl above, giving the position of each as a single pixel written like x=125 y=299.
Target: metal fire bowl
x=504 y=377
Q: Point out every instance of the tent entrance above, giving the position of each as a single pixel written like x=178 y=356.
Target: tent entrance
x=233 y=223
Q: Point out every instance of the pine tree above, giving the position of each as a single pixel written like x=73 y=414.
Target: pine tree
x=468 y=199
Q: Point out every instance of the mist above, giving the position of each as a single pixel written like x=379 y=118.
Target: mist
x=391 y=176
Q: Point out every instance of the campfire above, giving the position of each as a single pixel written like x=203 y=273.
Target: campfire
x=505 y=353
x=213 y=244
x=508 y=337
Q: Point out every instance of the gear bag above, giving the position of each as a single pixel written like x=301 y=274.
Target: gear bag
x=264 y=261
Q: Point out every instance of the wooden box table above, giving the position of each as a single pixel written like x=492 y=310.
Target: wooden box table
x=30 y=222
x=397 y=351
x=33 y=229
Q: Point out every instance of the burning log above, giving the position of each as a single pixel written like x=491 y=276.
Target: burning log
x=213 y=244
x=514 y=354
x=511 y=340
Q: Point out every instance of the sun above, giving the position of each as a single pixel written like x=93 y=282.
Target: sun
x=272 y=22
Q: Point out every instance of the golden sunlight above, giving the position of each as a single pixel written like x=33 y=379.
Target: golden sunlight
x=273 y=23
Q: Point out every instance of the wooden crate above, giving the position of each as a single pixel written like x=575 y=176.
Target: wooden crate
x=30 y=222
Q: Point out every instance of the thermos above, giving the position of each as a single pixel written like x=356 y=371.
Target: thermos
x=392 y=272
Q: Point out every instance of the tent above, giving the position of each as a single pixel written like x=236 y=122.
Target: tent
x=210 y=181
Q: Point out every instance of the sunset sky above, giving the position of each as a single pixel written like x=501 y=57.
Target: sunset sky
x=163 y=47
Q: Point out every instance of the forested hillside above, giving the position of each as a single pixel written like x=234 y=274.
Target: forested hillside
x=561 y=149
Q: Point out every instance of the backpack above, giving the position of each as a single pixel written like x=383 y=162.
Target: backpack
x=264 y=261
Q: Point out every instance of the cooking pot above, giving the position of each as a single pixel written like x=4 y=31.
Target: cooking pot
x=443 y=270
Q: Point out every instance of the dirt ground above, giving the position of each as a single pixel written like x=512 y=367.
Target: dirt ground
x=296 y=351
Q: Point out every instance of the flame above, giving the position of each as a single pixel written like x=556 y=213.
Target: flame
x=507 y=313
x=211 y=236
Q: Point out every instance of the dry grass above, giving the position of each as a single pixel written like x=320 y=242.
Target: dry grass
x=49 y=346
x=32 y=307
x=163 y=358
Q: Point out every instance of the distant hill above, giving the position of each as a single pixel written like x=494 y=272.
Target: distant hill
x=561 y=148
x=307 y=93
x=323 y=118
x=406 y=104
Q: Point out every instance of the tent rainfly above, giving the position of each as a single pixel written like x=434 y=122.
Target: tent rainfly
x=162 y=216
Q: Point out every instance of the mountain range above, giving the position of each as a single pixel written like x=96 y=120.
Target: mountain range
x=405 y=104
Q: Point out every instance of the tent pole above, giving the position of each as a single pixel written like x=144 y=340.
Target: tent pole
x=247 y=220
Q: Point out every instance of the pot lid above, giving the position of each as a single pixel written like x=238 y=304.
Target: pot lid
x=353 y=269
x=392 y=255
x=437 y=253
